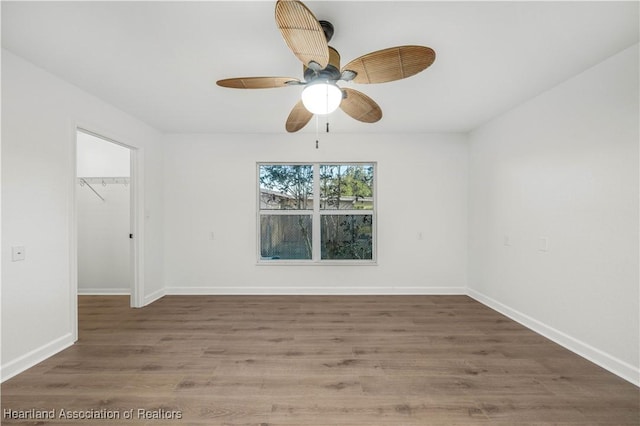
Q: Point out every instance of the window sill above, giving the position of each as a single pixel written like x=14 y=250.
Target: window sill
x=317 y=263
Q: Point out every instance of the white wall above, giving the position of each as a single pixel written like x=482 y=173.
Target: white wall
x=39 y=116
x=103 y=224
x=103 y=239
x=564 y=166
x=97 y=157
x=210 y=186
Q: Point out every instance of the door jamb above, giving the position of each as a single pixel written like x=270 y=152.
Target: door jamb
x=136 y=223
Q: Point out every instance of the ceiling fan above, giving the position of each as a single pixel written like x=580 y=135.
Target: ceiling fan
x=308 y=40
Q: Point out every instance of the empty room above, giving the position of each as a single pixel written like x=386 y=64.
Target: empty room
x=320 y=213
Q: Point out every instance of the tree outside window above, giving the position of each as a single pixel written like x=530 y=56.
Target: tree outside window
x=316 y=212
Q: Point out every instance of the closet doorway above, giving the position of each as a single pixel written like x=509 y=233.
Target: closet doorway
x=105 y=216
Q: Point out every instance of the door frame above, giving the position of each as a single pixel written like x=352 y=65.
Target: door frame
x=136 y=220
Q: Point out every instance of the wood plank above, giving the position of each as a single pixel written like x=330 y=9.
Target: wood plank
x=319 y=360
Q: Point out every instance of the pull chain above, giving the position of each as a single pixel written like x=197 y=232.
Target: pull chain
x=317 y=137
x=318 y=130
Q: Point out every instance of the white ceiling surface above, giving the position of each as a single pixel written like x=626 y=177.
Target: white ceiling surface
x=159 y=61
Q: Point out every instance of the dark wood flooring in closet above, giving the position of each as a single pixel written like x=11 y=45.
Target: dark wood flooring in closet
x=315 y=360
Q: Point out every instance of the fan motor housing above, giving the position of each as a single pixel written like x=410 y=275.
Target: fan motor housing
x=330 y=72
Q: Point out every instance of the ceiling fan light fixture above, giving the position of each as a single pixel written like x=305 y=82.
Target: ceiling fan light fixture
x=308 y=38
x=322 y=97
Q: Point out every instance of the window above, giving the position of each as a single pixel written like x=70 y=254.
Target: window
x=316 y=212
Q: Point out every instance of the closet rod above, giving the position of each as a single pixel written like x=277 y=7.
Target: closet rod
x=113 y=180
x=91 y=188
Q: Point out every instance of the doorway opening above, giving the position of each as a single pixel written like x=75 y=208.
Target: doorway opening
x=105 y=219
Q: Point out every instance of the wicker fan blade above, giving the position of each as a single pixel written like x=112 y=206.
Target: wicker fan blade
x=302 y=32
x=257 y=82
x=360 y=106
x=391 y=64
x=298 y=118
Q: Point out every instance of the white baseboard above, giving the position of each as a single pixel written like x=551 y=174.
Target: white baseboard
x=317 y=291
x=150 y=298
x=17 y=366
x=124 y=291
x=597 y=356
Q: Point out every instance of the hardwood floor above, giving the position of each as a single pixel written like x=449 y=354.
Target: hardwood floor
x=311 y=360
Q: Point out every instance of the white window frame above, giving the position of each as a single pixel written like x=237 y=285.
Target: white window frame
x=316 y=213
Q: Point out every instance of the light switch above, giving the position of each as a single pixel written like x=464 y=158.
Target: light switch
x=506 y=240
x=17 y=253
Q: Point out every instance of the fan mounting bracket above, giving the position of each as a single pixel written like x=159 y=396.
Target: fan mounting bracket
x=327 y=27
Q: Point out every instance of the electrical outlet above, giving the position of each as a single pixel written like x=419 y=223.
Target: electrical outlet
x=18 y=253
x=543 y=244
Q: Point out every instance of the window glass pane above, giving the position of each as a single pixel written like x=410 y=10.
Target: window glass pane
x=346 y=187
x=286 y=187
x=285 y=237
x=346 y=236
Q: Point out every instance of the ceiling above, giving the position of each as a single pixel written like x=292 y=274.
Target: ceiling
x=159 y=61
